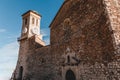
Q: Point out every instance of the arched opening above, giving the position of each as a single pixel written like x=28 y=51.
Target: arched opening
x=70 y=75
x=33 y=20
x=37 y=22
x=20 y=73
x=26 y=21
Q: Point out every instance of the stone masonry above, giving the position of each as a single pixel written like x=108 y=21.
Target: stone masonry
x=84 y=44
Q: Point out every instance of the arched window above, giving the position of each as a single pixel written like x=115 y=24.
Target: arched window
x=26 y=21
x=37 y=22
x=70 y=75
x=33 y=20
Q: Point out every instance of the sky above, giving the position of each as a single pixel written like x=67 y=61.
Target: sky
x=11 y=24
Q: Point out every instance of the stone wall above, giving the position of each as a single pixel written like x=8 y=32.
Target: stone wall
x=84 y=40
x=34 y=60
x=23 y=49
x=39 y=64
x=84 y=26
x=113 y=9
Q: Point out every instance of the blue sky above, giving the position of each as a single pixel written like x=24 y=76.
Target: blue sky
x=10 y=28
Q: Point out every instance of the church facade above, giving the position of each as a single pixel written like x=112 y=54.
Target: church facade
x=84 y=43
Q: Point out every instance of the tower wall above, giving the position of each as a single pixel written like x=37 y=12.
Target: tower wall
x=29 y=41
x=23 y=50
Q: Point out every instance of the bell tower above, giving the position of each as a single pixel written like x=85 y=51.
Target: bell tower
x=30 y=25
x=30 y=40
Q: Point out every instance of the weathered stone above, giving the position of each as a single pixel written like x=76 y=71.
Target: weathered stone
x=84 y=44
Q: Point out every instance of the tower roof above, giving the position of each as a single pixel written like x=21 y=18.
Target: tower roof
x=35 y=12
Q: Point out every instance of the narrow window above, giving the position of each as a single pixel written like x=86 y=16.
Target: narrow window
x=68 y=59
x=33 y=20
x=26 y=21
x=37 y=22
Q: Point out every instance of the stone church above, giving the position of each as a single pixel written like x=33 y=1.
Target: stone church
x=84 y=43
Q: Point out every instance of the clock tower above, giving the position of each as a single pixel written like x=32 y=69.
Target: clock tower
x=30 y=25
x=30 y=40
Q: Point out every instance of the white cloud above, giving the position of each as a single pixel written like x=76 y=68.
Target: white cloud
x=47 y=40
x=8 y=54
x=46 y=34
x=4 y=78
x=2 y=30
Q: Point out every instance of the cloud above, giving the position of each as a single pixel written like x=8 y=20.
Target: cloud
x=9 y=55
x=2 y=30
x=4 y=78
x=47 y=40
x=45 y=32
x=46 y=35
